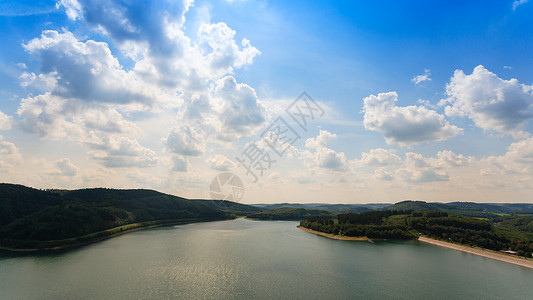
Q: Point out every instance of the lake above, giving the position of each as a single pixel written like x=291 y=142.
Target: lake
x=247 y=259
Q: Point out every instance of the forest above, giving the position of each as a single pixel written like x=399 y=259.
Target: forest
x=31 y=218
x=405 y=224
x=289 y=213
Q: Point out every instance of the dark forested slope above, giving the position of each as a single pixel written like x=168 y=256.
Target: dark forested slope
x=31 y=218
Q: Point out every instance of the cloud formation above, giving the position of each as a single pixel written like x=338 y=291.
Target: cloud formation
x=5 y=121
x=321 y=140
x=87 y=95
x=380 y=158
x=220 y=163
x=492 y=103
x=65 y=168
x=9 y=155
x=423 y=77
x=518 y=3
x=123 y=152
x=405 y=125
x=323 y=157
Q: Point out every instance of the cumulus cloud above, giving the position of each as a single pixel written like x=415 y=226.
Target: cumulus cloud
x=241 y=112
x=321 y=140
x=9 y=155
x=492 y=103
x=447 y=158
x=220 y=163
x=180 y=163
x=137 y=21
x=5 y=121
x=72 y=8
x=65 y=168
x=323 y=157
x=122 y=152
x=405 y=125
x=185 y=141
x=380 y=158
x=418 y=170
x=423 y=77
x=413 y=168
x=87 y=71
x=518 y=160
x=383 y=174
x=329 y=159
x=83 y=92
x=223 y=51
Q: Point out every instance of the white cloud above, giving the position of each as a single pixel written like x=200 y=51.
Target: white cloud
x=405 y=125
x=72 y=8
x=323 y=157
x=223 y=53
x=88 y=96
x=518 y=3
x=220 y=163
x=518 y=160
x=241 y=113
x=380 y=158
x=329 y=159
x=492 y=103
x=413 y=168
x=132 y=21
x=423 y=77
x=447 y=158
x=65 y=168
x=9 y=155
x=86 y=71
x=180 y=163
x=5 y=121
x=123 y=152
x=185 y=141
x=321 y=140
x=418 y=170
x=383 y=174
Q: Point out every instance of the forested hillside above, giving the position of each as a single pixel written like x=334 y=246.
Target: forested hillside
x=289 y=213
x=31 y=218
x=404 y=224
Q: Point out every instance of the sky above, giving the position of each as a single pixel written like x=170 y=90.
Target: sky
x=304 y=101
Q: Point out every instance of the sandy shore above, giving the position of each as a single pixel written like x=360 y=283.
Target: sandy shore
x=528 y=263
x=486 y=253
x=333 y=236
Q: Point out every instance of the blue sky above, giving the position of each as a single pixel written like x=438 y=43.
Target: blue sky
x=426 y=100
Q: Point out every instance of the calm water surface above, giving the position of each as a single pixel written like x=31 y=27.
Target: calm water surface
x=246 y=259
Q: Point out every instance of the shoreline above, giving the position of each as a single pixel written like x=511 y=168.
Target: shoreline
x=516 y=260
x=524 y=262
x=101 y=238
x=334 y=236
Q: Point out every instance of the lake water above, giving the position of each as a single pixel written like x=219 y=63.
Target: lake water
x=246 y=259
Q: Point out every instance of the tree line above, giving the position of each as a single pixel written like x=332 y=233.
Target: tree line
x=405 y=224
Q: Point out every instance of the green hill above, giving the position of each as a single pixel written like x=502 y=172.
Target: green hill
x=31 y=218
x=289 y=213
x=417 y=205
x=405 y=224
x=235 y=208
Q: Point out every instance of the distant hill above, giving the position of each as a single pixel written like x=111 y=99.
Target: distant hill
x=31 y=218
x=417 y=205
x=490 y=211
x=238 y=209
x=289 y=213
x=326 y=206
